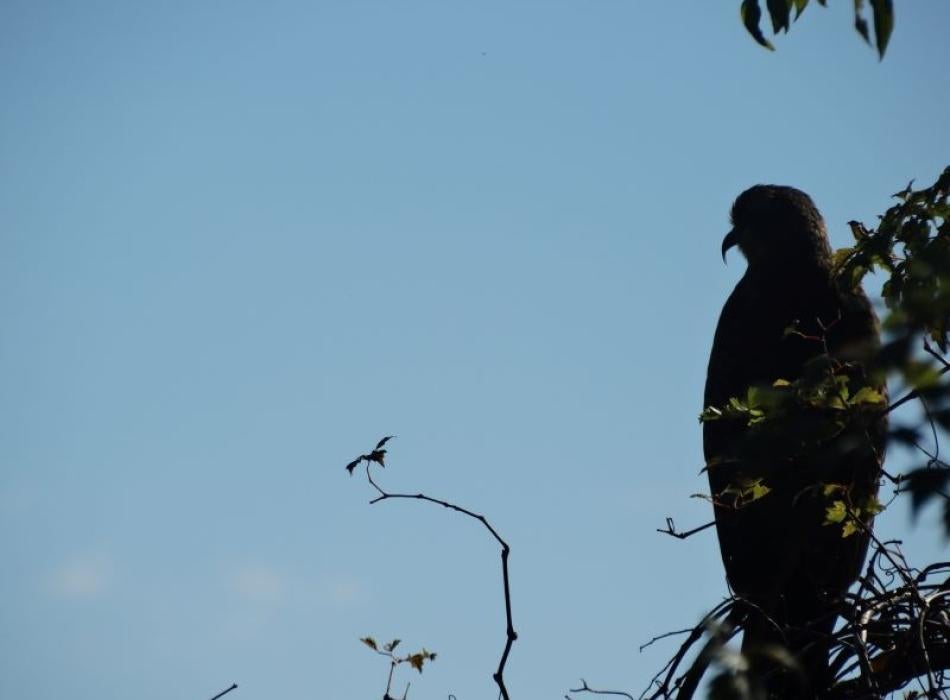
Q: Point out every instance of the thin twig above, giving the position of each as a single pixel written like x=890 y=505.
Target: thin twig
x=225 y=691
x=672 y=531
x=663 y=636
x=587 y=689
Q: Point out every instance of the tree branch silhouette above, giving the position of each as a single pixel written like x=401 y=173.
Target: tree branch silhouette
x=510 y=635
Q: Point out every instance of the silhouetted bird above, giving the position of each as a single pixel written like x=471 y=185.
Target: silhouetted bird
x=778 y=553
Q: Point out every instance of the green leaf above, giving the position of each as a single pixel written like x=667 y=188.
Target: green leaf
x=835 y=513
x=872 y=506
x=849 y=528
x=883 y=23
x=828 y=489
x=758 y=490
x=867 y=395
x=751 y=15
x=781 y=382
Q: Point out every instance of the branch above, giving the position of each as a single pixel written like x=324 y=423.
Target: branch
x=225 y=691
x=671 y=529
x=510 y=635
x=911 y=395
x=587 y=689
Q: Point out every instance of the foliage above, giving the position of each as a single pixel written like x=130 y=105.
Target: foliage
x=417 y=660
x=780 y=12
x=911 y=244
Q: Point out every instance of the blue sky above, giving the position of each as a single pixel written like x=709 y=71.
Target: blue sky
x=241 y=242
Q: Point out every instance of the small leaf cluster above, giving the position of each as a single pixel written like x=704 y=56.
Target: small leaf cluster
x=780 y=12
x=911 y=244
x=790 y=418
x=849 y=515
x=416 y=659
x=376 y=455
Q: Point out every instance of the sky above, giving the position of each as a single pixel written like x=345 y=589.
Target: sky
x=240 y=242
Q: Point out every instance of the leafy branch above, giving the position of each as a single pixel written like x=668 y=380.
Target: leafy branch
x=417 y=660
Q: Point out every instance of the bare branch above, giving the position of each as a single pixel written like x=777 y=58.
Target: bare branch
x=510 y=635
x=672 y=531
x=225 y=691
x=587 y=689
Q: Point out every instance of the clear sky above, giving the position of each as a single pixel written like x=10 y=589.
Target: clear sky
x=242 y=241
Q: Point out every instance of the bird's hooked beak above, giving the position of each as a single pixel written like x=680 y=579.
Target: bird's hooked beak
x=728 y=242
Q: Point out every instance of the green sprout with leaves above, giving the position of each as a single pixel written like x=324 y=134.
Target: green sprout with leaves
x=417 y=660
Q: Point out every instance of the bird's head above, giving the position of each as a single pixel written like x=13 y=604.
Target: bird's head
x=777 y=229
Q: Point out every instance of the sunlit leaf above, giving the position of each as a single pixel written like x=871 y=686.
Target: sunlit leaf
x=867 y=395
x=835 y=513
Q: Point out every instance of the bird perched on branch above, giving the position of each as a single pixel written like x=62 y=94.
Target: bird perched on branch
x=793 y=432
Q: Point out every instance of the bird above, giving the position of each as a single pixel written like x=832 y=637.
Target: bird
x=788 y=320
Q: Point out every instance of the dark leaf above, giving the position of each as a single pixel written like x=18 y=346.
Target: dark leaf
x=860 y=23
x=883 y=23
x=751 y=15
x=353 y=465
x=800 y=7
x=370 y=642
x=925 y=483
x=378 y=456
x=905 y=436
x=780 y=12
x=384 y=441
x=392 y=645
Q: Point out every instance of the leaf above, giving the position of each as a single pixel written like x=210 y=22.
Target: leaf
x=384 y=441
x=858 y=231
x=781 y=382
x=392 y=645
x=353 y=465
x=867 y=395
x=780 y=12
x=872 y=506
x=883 y=23
x=849 y=528
x=861 y=25
x=751 y=15
x=828 y=489
x=925 y=483
x=759 y=490
x=416 y=660
x=370 y=642
x=800 y=7
x=835 y=513
x=378 y=456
